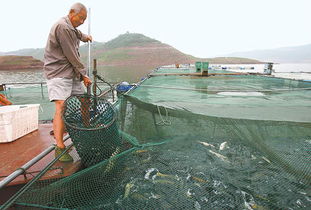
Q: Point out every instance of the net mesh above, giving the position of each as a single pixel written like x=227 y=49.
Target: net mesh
x=91 y=123
x=188 y=147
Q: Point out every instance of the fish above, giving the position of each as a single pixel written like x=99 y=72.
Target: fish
x=206 y=144
x=147 y=159
x=140 y=151
x=223 y=145
x=163 y=181
x=138 y=196
x=254 y=206
x=128 y=169
x=224 y=158
x=127 y=191
x=249 y=202
x=151 y=173
x=165 y=175
x=112 y=160
x=197 y=184
x=188 y=177
x=154 y=196
x=198 y=179
x=190 y=193
x=163 y=178
x=262 y=198
x=197 y=205
x=266 y=159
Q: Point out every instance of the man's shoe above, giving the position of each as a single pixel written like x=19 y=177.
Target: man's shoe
x=65 y=157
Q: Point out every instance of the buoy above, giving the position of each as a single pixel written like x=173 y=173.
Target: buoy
x=4 y=101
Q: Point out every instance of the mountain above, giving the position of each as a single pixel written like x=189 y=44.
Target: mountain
x=131 y=56
x=34 y=52
x=296 y=54
x=134 y=49
x=12 y=62
x=137 y=49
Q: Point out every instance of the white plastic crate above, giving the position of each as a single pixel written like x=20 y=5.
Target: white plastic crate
x=17 y=121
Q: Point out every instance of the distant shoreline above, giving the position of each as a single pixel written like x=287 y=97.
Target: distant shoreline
x=13 y=62
x=16 y=68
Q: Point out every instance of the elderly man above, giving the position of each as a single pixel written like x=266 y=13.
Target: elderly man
x=63 y=69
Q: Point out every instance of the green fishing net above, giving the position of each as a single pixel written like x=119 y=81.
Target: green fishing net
x=183 y=142
x=91 y=124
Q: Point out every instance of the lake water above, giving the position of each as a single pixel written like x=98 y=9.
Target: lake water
x=33 y=93
x=132 y=74
x=299 y=71
x=111 y=74
x=30 y=93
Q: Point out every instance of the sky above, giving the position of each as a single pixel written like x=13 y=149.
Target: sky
x=202 y=28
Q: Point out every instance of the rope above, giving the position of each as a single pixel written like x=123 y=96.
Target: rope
x=219 y=90
x=110 y=85
x=163 y=121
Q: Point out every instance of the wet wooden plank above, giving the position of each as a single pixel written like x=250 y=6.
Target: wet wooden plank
x=15 y=154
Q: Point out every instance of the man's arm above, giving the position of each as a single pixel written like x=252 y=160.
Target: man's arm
x=83 y=37
x=86 y=81
x=68 y=44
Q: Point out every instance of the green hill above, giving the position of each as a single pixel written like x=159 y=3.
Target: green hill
x=130 y=40
x=137 y=49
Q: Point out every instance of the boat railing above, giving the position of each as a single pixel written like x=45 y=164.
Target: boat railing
x=27 y=165
x=4 y=86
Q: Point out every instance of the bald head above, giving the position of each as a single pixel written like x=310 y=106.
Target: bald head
x=77 y=14
x=76 y=8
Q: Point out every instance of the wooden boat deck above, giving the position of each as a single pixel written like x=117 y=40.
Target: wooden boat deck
x=15 y=154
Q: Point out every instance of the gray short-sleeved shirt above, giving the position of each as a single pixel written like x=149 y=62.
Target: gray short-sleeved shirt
x=61 y=57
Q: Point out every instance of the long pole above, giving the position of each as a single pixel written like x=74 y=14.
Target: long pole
x=89 y=51
x=94 y=76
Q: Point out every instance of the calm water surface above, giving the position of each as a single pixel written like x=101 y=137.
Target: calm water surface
x=132 y=74
x=29 y=93
x=112 y=74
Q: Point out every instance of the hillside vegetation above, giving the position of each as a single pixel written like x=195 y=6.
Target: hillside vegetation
x=12 y=62
x=130 y=40
x=137 y=49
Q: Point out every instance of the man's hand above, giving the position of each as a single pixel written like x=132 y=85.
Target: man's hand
x=86 y=81
x=89 y=38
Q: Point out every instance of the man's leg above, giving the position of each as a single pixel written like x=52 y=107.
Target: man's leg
x=59 y=89
x=58 y=124
x=59 y=128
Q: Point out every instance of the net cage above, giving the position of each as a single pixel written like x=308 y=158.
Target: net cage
x=91 y=124
x=177 y=150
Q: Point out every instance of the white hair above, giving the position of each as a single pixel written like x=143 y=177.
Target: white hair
x=77 y=7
